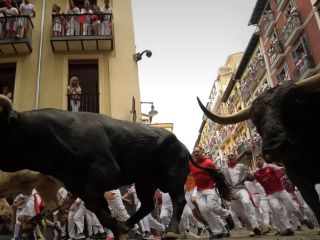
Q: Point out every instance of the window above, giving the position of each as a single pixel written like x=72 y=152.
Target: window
x=7 y=79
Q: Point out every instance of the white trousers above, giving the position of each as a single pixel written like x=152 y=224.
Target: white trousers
x=210 y=208
x=93 y=224
x=277 y=202
x=76 y=220
x=243 y=205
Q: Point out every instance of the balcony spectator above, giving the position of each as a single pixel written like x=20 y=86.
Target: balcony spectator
x=74 y=91
x=106 y=22
x=2 y=24
x=96 y=21
x=73 y=27
x=5 y=92
x=10 y=12
x=85 y=25
x=57 y=20
x=27 y=9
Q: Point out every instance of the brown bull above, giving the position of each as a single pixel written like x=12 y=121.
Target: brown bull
x=12 y=184
x=287 y=118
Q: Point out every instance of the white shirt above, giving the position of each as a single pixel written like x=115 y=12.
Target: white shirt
x=234 y=174
x=11 y=11
x=166 y=200
x=27 y=9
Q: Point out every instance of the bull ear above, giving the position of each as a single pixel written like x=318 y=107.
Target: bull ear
x=5 y=107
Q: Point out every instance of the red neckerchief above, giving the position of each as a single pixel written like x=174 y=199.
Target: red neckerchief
x=232 y=164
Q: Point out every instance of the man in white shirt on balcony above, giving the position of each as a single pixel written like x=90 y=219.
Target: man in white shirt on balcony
x=27 y=9
x=106 y=25
x=73 y=27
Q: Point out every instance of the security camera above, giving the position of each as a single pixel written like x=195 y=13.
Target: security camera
x=148 y=53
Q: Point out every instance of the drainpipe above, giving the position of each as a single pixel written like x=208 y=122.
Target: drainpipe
x=40 y=55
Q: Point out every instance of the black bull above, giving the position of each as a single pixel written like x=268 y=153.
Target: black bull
x=287 y=118
x=91 y=153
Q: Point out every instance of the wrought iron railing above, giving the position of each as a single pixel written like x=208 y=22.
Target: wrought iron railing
x=292 y=22
x=17 y=27
x=95 y=24
x=83 y=102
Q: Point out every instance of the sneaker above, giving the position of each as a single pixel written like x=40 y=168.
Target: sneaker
x=147 y=235
x=226 y=234
x=79 y=236
x=201 y=231
x=257 y=231
x=308 y=223
x=17 y=36
x=99 y=236
x=215 y=236
x=287 y=232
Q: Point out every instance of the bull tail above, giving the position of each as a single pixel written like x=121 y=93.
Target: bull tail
x=221 y=183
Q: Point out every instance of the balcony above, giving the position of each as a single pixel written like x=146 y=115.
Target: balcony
x=15 y=35
x=276 y=54
x=83 y=103
x=304 y=68
x=281 y=4
x=259 y=70
x=81 y=32
x=269 y=23
x=292 y=30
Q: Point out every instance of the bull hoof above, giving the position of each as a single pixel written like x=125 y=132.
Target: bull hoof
x=123 y=236
x=169 y=236
x=122 y=227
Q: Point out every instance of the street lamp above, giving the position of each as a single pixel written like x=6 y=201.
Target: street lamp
x=152 y=112
x=138 y=56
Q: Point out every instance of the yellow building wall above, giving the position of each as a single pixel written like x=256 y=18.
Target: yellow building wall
x=118 y=73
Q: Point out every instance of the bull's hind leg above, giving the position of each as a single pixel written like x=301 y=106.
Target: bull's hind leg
x=145 y=195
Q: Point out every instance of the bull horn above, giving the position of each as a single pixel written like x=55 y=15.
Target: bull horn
x=229 y=119
x=5 y=103
x=309 y=84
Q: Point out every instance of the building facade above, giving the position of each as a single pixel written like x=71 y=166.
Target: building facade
x=37 y=64
x=283 y=48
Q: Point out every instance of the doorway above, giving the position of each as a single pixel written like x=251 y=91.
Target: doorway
x=87 y=73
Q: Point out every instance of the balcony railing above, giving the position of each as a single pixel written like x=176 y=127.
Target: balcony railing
x=275 y=53
x=78 y=32
x=269 y=22
x=83 y=102
x=15 y=35
x=302 y=66
x=281 y=4
x=292 y=28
